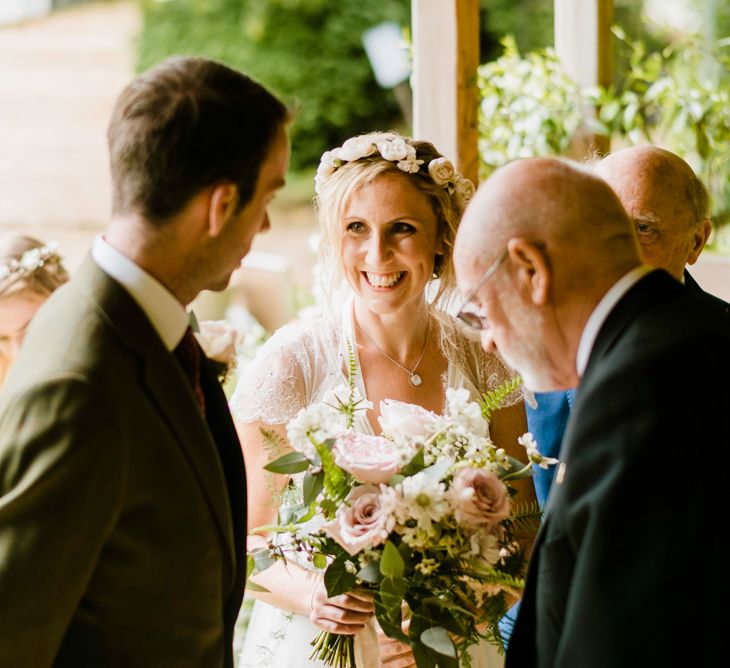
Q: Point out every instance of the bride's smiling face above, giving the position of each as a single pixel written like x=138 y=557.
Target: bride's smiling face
x=389 y=242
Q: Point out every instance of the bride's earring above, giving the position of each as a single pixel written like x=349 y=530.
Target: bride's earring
x=438 y=265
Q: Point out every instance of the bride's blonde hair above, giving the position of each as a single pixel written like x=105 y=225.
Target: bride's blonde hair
x=342 y=172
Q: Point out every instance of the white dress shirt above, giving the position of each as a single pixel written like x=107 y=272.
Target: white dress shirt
x=600 y=313
x=165 y=312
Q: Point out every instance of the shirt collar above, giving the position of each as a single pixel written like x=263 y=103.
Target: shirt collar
x=600 y=313
x=164 y=311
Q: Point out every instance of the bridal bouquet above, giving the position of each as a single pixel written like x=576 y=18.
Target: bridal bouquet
x=421 y=517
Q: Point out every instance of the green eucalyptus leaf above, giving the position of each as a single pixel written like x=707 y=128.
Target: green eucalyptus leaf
x=370 y=573
x=437 y=638
x=292 y=462
x=391 y=563
x=312 y=486
x=262 y=559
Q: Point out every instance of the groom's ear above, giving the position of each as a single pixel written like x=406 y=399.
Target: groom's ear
x=532 y=267
x=223 y=203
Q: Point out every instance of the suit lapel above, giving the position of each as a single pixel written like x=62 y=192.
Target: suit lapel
x=171 y=392
x=168 y=387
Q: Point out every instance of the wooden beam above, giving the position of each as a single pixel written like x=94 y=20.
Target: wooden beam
x=445 y=95
x=583 y=44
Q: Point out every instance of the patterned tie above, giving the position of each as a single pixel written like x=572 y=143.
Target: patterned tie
x=187 y=353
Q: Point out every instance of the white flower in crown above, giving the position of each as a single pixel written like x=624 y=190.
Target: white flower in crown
x=410 y=165
x=396 y=149
x=441 y=170
x=327 y=163
x=356 y=148
x=464 y=188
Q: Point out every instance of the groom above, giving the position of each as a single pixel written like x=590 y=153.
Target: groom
x=122 y=489
x=627 y=556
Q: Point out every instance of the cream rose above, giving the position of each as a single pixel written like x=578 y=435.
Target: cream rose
x=368 y=458
x=403 y=421
x=441 y=170
x=365 y=519
x=356 y=148
x=464 y=188
x=479 y=497
x=218 y=339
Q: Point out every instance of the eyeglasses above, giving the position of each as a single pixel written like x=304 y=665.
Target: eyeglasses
x=470 y=318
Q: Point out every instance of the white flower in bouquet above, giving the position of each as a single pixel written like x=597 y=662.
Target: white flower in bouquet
x=485 y=545
x=365 y=519
x=407 y=422
x=317 y=421
x=530 y=444
x=367 y=458
x=465 y=413
x=422 y=499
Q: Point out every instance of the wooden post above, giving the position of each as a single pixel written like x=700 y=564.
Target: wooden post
x=583 y=44
x=445 y=95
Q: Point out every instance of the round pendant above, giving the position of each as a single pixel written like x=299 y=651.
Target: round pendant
x=415 y=379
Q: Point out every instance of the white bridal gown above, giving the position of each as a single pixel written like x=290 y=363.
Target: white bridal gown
x=297 y=366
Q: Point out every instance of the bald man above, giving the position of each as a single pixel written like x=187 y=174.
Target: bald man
x=550 y=265
x=668 y=205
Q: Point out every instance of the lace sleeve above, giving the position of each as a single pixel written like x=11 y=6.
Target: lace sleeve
x=272 y=387
x=483 y=371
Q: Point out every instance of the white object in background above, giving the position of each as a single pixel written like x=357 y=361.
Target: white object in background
x=386 y=50
x=14 y=11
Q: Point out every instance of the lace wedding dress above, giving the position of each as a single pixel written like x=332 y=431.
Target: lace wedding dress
x=294 y=368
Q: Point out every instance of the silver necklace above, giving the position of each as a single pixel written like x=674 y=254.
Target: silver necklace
x=414 y=377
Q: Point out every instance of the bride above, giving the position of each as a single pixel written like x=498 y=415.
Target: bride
x=388 y=208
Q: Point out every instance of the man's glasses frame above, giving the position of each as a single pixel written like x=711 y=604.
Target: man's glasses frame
x=469 y=317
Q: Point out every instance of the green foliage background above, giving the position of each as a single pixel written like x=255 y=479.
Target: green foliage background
x=309 y=52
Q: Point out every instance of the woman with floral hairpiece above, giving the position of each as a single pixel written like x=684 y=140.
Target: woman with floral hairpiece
x=388 y=208
x=29 y=272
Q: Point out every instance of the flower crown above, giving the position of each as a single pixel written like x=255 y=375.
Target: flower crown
x=394 y=148
x=29 y=262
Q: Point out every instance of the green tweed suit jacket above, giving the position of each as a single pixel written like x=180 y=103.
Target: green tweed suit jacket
x=122 y=508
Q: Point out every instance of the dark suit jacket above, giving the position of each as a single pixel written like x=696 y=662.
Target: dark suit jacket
x=122 y=512
x=692 y=286
x=627 y=569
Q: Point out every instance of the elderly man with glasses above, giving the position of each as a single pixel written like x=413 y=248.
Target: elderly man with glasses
x=630 y=514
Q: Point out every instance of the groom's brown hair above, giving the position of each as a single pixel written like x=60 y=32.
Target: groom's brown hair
x=184 y=125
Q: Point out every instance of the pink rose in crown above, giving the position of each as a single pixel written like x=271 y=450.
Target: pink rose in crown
x=479 y=497
x=364 y=520
x=370 y=459
x=401 y=420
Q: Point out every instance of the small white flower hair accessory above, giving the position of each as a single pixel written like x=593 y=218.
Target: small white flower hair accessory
x=395 y=148
x=30 y=261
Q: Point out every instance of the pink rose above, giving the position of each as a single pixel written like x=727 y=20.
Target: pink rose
x=364 y=520
x=399 y=419
x=369 y=458
x=479 y=497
